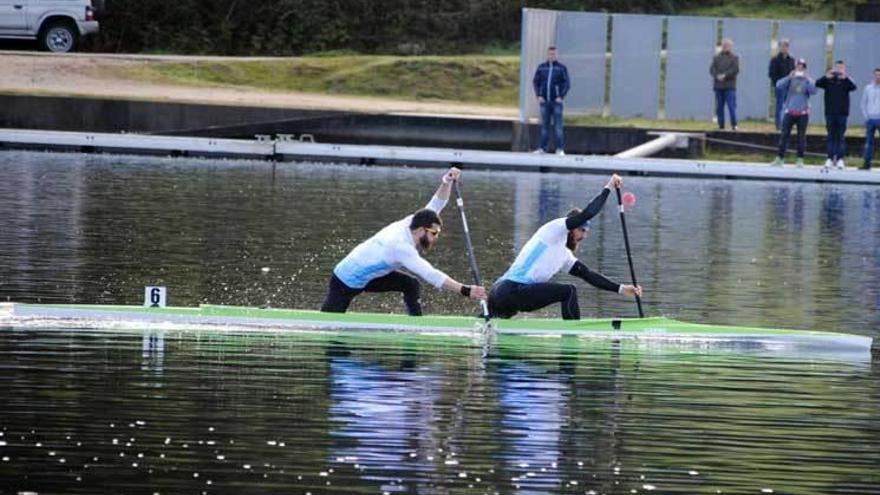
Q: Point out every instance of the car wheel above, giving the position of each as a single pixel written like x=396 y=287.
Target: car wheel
x=58 y=37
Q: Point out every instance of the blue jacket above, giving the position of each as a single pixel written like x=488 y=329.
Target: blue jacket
x=551 y=81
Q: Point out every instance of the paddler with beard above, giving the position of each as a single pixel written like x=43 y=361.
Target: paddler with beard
x=525 y=286
x=374 y=265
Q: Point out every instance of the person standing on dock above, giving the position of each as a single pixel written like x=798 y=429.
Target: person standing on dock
x=798 y=88
x=373 y=266
x=780 y=66
x=837 y=87
x=724 y=69
x=551 y=84
x=871 y=110
x=525 y=286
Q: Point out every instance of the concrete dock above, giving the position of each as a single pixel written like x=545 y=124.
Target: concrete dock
x=284 y=148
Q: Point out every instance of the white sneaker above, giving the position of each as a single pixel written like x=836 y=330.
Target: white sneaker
x=840 y=164
x=560 y=152
x=539 y=151
x=829 y=163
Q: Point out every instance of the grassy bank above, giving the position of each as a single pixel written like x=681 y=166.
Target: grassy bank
x=486 y=80
x=483 y=79
x=473 y=79
x=776 y=10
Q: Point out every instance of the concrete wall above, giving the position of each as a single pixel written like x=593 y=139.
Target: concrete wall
x=183 y=119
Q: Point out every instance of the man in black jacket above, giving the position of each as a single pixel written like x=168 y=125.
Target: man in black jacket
x=837 y=88
x=780 y=66
x=551 y=84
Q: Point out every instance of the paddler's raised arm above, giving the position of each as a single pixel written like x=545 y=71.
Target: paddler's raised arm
x=595 y=205
x=441 y=196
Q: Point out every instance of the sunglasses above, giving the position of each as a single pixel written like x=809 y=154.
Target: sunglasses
x=436 y=232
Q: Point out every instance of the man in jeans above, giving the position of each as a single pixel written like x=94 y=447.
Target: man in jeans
x=871 y=111
x=724 y=68
x=798 y=88
x=837 y=89
x=780 y=66
x=551 y=84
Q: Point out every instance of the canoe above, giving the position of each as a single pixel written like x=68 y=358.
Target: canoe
x=652 y=330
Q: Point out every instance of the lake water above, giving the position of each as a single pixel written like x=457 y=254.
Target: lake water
x=170 y=411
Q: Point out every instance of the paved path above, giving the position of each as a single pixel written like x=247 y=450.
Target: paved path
x=89 y=75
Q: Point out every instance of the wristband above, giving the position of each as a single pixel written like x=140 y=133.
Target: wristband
x=465 y=290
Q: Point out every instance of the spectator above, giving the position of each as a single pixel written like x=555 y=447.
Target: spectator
x=837 y=88
x=780 y=66
x=871 y=111
x=797 y=87
x=724 y=68
x=551 y=85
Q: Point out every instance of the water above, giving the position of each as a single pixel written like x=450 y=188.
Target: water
x=148 y=411
x=171 y=412
x=97 y=229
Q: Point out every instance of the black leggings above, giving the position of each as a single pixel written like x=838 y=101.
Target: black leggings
x=508 y=298
x=339 y=295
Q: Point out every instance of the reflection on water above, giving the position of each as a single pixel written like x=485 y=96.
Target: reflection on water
x=534 y=408
x=93 y=412
x=385 y=417
x=97 y=229
x=162 y=411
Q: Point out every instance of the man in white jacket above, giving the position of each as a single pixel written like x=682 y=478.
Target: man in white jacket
x=375 y=264
x=871 y=111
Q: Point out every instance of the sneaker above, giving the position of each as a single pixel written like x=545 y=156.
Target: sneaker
x=560 y=152
x=799 y=163
x=865 y=167
x=735 y=128
x=840 y=165
x=539 y=151
x=829 y=163
x=777 y=162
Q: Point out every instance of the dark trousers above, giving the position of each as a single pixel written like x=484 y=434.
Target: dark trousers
x=871 y=128
x=339 y=295
x=725 y=97
x=551 y=115
x=789 y=121
x=508 y=298
x=836 y=143
x=780 y=99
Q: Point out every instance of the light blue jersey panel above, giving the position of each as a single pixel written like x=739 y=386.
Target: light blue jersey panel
x=519 y=271
x=357 y=276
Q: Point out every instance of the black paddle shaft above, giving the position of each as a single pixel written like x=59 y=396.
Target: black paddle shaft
x=475 y=270
x=632 y=271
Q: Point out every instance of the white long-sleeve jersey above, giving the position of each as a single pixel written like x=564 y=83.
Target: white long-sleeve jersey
x=390 y=249
x=543 y=256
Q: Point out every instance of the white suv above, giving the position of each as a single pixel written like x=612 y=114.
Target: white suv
x=57 y=25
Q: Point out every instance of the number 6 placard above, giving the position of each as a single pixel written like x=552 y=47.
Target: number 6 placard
x=154 y=297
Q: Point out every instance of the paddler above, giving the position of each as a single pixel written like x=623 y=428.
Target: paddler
x=374 y=265
x=525 y=286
